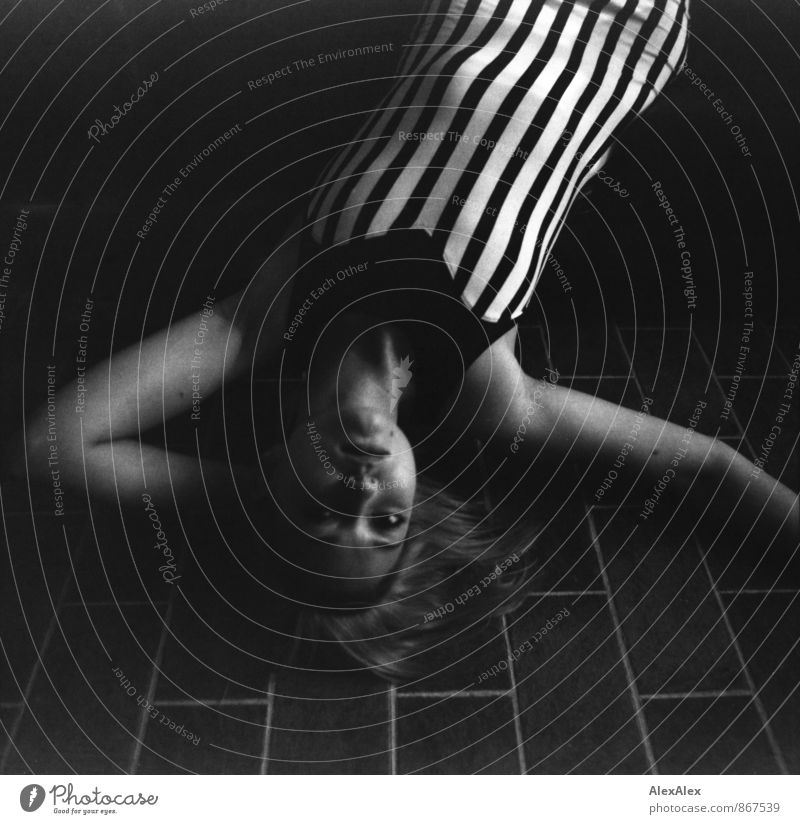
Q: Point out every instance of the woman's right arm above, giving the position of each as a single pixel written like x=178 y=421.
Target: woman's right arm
x=538 y=419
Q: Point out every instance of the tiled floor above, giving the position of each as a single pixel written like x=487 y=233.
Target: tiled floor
x=675 y=656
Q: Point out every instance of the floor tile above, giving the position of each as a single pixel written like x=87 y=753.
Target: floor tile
x=759 y=404
x=548 y=505
x=768 y=631
x=670 y=618
x=787 y=339
x=332 y=723
x=35 y=563
x=16 y=498
x=456 y=735
x=213 y=653
x=531 y=351
x=204 y=739
x=8 y=717
x=121 y=561
x=744 y=351
x=457 y=661
x=708 y=736
x=576 y=709
x=84 y=707
x=750 y=561
x=585 y=351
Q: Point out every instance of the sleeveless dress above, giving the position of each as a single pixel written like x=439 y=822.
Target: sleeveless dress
x=501 y=112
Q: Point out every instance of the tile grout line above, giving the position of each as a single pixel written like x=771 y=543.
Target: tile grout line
x=214 y=702
x=447 y=694
x=636 y=698
x=697 y=694
x=263 y=769
x=37 y=665
x=748 y=678
x=144 y=716
x=759 y=706
x=566 y=593
x=770 y=376
x=513 y=689
x=523 y=767
x=756 y=591
x=757 y=703
x=742 y=434
x=392 y=697
x=40 y=653
x=629 y=358
x=595 y=377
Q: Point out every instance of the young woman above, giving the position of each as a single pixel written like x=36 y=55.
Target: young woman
x=395 y=300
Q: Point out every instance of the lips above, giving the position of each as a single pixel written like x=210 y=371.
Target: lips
x=361 y=449
x=358 y=467
x=367 y=433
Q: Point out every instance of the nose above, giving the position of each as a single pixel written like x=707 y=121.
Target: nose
x=353 y=494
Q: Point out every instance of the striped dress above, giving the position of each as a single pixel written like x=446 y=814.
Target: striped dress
x=501 y=112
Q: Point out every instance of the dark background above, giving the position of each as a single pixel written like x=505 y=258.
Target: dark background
x=70 y=64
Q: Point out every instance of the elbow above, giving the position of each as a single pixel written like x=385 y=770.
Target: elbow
x=14 y=450
x=31 y=453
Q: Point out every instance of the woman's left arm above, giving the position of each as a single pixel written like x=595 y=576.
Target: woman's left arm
x=98 y=446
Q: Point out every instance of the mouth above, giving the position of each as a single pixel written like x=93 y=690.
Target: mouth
x=362 y=450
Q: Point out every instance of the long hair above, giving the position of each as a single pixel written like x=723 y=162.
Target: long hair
x=459 y=572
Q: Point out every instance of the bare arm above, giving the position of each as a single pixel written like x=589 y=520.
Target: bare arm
x=134 y=390
x=150 y=382
x=534 y=418
x=667 y=462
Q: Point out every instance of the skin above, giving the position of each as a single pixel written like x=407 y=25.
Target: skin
x=351 y=511
x=351 y=535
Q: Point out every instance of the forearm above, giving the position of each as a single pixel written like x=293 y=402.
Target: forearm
x=133 y=391
x=123 y=470
x=653 y=461
x=736 y=495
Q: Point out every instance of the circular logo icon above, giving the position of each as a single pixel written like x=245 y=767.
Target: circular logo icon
x=31 y=797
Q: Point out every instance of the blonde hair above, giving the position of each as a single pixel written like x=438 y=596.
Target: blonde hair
x=459 y=572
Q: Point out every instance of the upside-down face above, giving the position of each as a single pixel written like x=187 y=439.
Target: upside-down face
x=345 y=484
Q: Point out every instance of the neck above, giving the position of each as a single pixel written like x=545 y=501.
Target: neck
x=368 y=369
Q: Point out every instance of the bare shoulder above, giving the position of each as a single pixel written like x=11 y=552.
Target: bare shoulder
x=261 y=309
x=498 y=396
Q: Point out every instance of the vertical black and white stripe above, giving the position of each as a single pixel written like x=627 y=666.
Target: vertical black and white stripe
x=519 y=100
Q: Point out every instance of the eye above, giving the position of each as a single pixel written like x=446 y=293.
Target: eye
x=389 y=521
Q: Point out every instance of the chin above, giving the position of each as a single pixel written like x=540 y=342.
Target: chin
x=365 y=428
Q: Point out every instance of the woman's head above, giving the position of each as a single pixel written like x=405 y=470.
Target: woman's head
x=344 y=485
x=389 y=608
x=457 y=573
x=359 y=540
